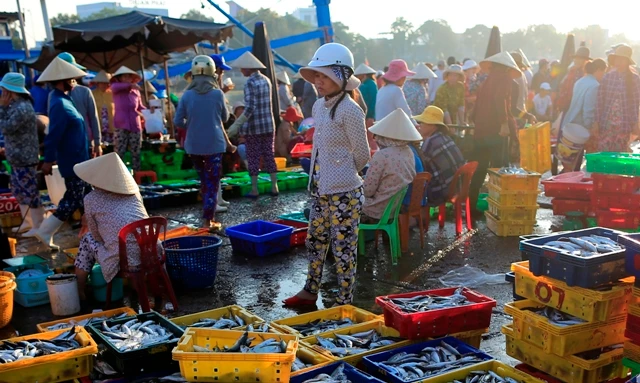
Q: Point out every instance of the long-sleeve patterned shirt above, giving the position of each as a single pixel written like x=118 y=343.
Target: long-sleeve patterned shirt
x=442 y=158
x=18 y=125
x=258 y=108
x=128 y=103
x=613 y=95
x=450 y=98
x=417 y=96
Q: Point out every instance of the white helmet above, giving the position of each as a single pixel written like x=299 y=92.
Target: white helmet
x=332 y=54
x=203 y=65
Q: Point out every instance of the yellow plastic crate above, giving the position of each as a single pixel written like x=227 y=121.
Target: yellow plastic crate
x=232 y=366
x=590 y=305
x=631 y=351
x=58 y=367
x=636 y=292
x=42 y=327
x=562 y=341
x=504 y=228
x=356 y=315
x=569 y=369
x=513 y=198
x=512 y=213
x=511 y=182
x=472 y=338
x=355 y=359
x=500 y=369
x=535 y=147
x=308 y=356
x=10 y=220
x=634 y=309
x=247 y=317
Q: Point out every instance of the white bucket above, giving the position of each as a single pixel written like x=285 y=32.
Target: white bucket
x=63 y=294
x=55 y=185
x=571 y=142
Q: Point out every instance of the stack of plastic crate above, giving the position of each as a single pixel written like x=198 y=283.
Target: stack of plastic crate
x=570 y=194
x=512 y=203
x=616 y=201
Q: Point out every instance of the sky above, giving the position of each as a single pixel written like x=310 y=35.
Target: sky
x=375 y=16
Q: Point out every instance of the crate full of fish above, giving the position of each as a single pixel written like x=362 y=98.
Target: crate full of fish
x=418 y=362
x=491 y=371
x=352 y=344
x=308 y=360
x=592 y=305
x=335 y=373
x=322 y=321
x=586 y=258
x=228 y=317
x=207 y=355
x=510 y=178
x=53 y=356
x=85 y=320
x=142 y=343
x=559 y=333
x=436 y=313
x=591 y=366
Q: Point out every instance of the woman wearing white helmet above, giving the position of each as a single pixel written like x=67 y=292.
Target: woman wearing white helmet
x=340 y=151
x=201 y=112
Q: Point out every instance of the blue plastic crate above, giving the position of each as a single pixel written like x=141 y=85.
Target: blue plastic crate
x=34 y=299
x=372 y=364
x=352 y=373
x=36 y=283
x=260 y=238
x=631 y=242
x=192 y=261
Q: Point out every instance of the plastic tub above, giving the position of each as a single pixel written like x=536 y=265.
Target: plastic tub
x=357 y=315
x=34 y=299
x=281 y=163
x=353 y=374
x=31 y=278
x=63 y=294
x=260 y=238
x=571 y=142
x=192 y=262
x=99 y=286
x=6 y=303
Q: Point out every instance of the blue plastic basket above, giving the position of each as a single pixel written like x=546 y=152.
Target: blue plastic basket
x=260 y=238
x=352 y=373
x=372 y=364
x=631 y=243
x=192 y=262
x=33 y=284
x=34 y=299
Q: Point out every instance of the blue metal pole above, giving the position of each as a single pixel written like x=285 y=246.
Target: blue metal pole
x=323 y=14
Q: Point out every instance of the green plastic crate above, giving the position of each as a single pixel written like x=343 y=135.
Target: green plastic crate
x=177 y=175
x=180 y=183
x=614 y=163
x=631 y=365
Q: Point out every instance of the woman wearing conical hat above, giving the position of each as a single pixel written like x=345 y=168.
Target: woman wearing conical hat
x=128 y=111
x=416 y=89
x=104 y=103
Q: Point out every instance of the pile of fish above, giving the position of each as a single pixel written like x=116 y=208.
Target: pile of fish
x=85 y=322
x=344 y=345
x=584 y=246
x=298 y=365
x=426 y=302
x=243 y=344
x=428 y=362
x=319 y=326
x=228 y=322
x=556 y=317
x=512 y=170
x=337 y=376
x=485 y=377
x=32 y=348
x=134 y=335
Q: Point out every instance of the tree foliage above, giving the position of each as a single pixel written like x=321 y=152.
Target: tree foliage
x=195 y=14
x=104 y=13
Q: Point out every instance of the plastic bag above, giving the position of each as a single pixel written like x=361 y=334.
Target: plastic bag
x=469 y=276
x=153 y=122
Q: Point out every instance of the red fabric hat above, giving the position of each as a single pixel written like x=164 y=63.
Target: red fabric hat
x=292 y=115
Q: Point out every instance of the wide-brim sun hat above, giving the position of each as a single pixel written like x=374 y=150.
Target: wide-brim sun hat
x=453 y=69
x=308 y=74
x=398 y=126
x=248 y=61
x=422 y=72
x=431 y=115
x=469 y=64
x=125 y=70
x=108 y=173
x=14 y=82
x=502 y=58
x=101 y=77
x=397 y=69
x=623 y=51
x=364 y=69
x=58 y=70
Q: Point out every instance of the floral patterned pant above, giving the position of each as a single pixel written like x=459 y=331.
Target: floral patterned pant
x=260 y=147
x=334 y=221
x=132 y=141
x=87 y=253
x=24 y=186
x=209 y=169
x=73 y=198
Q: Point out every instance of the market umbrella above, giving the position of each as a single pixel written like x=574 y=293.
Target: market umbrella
x=262 y=50
x=495 y=43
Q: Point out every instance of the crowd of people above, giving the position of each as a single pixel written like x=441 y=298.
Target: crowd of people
x=372 y=132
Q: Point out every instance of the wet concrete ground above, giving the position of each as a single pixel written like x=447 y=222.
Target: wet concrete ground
x=260 y=284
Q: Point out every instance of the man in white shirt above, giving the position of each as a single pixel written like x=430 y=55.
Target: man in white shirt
x=435 y=83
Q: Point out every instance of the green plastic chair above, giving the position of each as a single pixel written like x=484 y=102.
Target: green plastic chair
x=388 y=224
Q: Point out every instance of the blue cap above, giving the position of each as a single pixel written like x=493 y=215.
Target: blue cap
x=68 y=57
x=220 y=62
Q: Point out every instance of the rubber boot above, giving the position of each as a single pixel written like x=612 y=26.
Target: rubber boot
x=46 y=231
x=26 y=222
x=37 y=216
x=221 y=201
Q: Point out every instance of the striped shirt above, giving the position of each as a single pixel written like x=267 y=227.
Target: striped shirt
x=258 y=108
x=442 y=158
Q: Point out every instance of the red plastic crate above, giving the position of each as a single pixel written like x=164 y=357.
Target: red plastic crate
x=608 y=183
x=299 y=235
x=569 y=190
x=302 y=150
x=615 y=201
x=8 y=203
x=441 y=322
x=563 y=206
x=619 y=219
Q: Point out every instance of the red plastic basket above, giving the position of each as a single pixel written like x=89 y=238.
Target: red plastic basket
x=619 y=219
x=615 y=201
x=441 y=322
x=569 y=190
x=563 y=206
x=608 y=183
x=8 y=203
x=299 y=235
x=301 y=150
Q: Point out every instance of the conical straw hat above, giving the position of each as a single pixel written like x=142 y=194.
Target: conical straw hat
x=283 y=77
x=248 y=61
x=502 y=58
x=108 y=173
x=125 y=70
x=102 y=76
x=364 y=69
x=397 y=126
x=59 y=69
x=423 y=72
x=151 y=88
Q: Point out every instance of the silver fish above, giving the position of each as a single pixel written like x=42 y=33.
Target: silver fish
x=134 y=335
x=337 y=376
x=319 y=326
x=557 y=317
x=84 y=322
x=585 y=246
x=486 y=377
x=244 y=345
x=426 y=302
x=33 y=348
x=343 y=345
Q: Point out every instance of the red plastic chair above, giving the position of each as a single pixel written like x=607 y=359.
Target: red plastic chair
x=415 y=209
x=458 y=193
x=146 y=233
x=139 y=176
